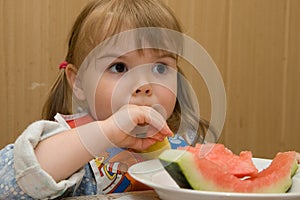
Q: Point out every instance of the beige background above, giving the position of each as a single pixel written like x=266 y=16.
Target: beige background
x=255 y=44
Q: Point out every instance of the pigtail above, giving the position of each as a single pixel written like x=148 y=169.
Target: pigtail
x=58 y=99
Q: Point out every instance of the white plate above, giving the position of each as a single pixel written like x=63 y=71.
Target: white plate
x=153 y=174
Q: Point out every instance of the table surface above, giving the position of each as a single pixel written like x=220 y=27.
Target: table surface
x=145 y=195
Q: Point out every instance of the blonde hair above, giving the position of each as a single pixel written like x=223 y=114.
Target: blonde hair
x=101 y=19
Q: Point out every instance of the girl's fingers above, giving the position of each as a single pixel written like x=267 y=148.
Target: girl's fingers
x=156 y=135
x=132 y=117
x=137 y=127
x=157 y=121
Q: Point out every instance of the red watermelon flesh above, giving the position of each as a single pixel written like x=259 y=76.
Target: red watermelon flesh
x=203 y=174
x=239 y=166
x=280 y=171
x=275 y=178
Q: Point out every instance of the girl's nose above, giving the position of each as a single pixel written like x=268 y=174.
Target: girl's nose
x=143 y=90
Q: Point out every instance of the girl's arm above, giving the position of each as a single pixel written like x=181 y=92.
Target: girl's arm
x=27 y=172
x=63 y=154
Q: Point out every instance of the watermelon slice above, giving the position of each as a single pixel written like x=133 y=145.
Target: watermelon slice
x=190 y=171
x=239 y=166
x=155 y=150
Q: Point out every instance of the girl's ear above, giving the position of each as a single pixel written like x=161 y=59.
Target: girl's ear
x=74 y=82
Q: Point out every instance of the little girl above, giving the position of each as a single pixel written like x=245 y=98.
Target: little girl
x=116 y=95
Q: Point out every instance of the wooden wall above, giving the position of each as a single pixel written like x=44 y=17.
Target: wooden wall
x=255 y=44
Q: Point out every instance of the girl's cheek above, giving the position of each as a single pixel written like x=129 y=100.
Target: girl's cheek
x=103 y=99
x=168 y=100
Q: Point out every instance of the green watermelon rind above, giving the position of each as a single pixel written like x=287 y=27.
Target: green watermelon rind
x=180 y=164
x=184 y=161
x=294 y=168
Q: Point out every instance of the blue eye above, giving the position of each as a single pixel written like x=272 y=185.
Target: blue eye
x=160 y=68
x=118 y=68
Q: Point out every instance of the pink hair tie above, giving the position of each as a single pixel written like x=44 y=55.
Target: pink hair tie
x=63 y=65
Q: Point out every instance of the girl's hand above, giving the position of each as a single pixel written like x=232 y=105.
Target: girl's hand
x=121 y=127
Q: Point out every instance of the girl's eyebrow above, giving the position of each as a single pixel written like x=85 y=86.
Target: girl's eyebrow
x=167 y=54
x=118 y=56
